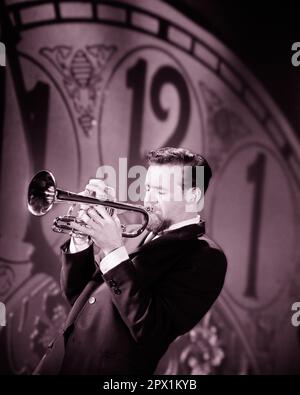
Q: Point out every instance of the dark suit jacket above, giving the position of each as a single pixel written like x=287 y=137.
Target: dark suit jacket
x=122 y=322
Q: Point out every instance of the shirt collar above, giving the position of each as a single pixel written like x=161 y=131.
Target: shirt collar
x=194 y=220
x=177 y=225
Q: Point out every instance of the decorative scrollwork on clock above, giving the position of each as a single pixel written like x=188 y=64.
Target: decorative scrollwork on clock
x=82 y=71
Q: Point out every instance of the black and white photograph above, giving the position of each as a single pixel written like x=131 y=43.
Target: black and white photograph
x=150 y=185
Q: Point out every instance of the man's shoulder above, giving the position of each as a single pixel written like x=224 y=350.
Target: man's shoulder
x=210 y=242
x=206 y=259
x=209 y=249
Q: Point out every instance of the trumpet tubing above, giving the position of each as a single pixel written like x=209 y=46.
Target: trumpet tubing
x=43 y=194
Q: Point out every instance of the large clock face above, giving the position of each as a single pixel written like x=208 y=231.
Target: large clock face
x=118 y=78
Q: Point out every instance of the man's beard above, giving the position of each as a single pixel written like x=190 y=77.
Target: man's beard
x=157 y=224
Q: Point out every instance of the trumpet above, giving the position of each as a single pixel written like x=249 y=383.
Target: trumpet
x=43 y=193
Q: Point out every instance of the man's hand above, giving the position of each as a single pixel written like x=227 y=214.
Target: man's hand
x=98 y=189
x=104 y=229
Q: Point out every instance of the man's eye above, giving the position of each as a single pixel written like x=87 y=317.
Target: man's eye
x=161 y=192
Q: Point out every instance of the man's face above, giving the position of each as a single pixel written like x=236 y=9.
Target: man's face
x=164 y=195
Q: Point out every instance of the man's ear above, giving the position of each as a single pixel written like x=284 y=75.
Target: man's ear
x=193 y=195
x=197 y=194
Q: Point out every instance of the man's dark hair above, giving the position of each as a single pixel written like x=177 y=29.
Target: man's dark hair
x=183 y=157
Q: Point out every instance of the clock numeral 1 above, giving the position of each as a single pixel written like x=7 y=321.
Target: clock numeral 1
x=136 y=80
x=255 y=175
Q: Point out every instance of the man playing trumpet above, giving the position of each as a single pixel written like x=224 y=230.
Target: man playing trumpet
x=127 y=308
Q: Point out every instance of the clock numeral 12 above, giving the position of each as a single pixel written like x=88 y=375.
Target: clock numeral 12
x=136 y=80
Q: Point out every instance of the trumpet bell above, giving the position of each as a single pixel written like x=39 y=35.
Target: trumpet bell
x=41 y=193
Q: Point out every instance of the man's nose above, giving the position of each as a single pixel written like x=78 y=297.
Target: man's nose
x=150 y=197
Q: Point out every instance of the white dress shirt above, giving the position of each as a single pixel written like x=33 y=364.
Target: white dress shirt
x=120 y=254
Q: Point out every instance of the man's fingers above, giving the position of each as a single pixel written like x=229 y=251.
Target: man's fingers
x=106 y=216
x=84 y=207
x=99 y=187
x=117 y=221
x=82 y=193
x=83 y=229
x=111 y=192
x=96 y=192
x=97 y=182
x=82 y=215
x=102 y=211
x=95 y=215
